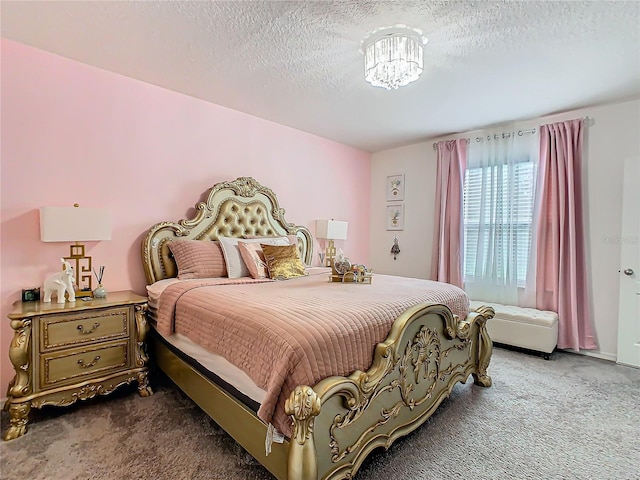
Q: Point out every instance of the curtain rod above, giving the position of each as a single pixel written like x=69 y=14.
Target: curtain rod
x=495 y=136
x=588 y=121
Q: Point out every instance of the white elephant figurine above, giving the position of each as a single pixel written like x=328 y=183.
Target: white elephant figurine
x=60 y=282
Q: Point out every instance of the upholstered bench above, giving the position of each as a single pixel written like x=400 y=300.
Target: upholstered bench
x=521 y=327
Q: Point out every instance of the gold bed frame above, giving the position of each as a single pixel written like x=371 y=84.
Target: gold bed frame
x=340 y=420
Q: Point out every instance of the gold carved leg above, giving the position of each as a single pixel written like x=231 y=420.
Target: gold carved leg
x=143 y=384
x=303 y=406
x=142 y=328
x=21 y=383
x=485 y=347
x=19 y=413
x=19 y=356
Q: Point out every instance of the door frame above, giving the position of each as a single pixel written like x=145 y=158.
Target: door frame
x=629 y=300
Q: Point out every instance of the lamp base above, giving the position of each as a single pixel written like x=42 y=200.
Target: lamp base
x=81 y=268
x=330 y=253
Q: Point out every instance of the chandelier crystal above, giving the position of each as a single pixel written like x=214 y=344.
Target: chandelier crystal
x=393 y=56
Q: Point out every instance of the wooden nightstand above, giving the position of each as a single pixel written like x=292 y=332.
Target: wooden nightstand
x=74 y=351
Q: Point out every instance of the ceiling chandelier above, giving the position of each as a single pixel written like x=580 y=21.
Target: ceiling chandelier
x=393 y=56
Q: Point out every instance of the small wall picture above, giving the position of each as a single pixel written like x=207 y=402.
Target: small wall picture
x=395 y=188
x=395 y=217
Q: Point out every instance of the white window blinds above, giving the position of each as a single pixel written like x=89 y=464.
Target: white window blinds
x=497 y=215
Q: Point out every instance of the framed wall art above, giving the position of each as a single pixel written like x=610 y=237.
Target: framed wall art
x=395 y=188
x=395 y=216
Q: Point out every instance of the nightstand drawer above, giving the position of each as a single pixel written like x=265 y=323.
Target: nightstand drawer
x=71 y=365
x=85 y=327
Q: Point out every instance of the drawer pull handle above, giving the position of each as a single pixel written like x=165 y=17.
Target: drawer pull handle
x=88 y=365
x=86 y=332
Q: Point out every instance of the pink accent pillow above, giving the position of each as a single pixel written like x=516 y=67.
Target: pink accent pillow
x=198 y=259
x=253 y=258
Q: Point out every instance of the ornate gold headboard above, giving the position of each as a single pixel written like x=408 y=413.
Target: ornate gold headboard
x=233 y=209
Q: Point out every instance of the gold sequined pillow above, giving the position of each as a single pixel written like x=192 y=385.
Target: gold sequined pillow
x=283 y=261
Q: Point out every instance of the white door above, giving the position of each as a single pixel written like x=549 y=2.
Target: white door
x=629 y=318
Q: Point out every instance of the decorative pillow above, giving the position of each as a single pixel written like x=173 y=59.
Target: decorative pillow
x=236 y=267
x=198 y=259
x=283 y=261
x=293 y=239
x=253 y=258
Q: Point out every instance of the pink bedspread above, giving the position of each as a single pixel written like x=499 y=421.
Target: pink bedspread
x=295 y=332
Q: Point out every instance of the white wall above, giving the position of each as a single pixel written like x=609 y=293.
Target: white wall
x=613 y=136
x=416 y=239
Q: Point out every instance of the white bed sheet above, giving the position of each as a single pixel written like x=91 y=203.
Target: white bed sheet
x=218 y=365
x=155 y=290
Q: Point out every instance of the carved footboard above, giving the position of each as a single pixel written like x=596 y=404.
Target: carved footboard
x=340 y=420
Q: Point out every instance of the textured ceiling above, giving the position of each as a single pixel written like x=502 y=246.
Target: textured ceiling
x=297 y=63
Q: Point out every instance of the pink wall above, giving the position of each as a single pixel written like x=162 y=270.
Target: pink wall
x=73 y=133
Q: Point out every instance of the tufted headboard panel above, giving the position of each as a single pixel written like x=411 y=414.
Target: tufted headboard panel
x=239 y=208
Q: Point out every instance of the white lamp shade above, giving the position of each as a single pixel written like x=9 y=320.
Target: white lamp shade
x=331 y=229
x=74 y=224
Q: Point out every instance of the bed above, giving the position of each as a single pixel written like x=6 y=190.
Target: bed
x=393 y=375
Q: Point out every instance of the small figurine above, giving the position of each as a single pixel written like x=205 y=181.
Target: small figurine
x=395 y=249
x=60 y=282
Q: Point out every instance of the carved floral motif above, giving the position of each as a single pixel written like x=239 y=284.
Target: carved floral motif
x=82 y=393
x=421 y=361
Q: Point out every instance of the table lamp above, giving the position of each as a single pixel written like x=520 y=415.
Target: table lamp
x=330 y=230
x=76 y=224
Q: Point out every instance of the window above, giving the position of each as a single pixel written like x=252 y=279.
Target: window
x=498 y=215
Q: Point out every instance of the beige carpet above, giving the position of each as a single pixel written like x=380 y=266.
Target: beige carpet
x=573 y=417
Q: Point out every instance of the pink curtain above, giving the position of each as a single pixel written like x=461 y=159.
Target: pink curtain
x=561 y=277
x=446 y=262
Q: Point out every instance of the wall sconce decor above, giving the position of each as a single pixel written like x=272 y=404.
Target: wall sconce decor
x=76 y=224
x=330 y=230
x=395 y=248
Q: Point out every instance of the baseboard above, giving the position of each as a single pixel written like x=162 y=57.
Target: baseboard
x=528 y=351
x=587 y=353
x=590 y=353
